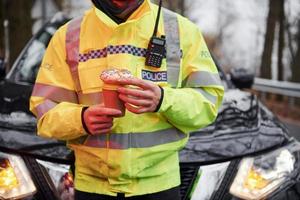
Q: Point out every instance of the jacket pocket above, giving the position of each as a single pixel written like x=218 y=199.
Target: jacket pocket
x=89 y=76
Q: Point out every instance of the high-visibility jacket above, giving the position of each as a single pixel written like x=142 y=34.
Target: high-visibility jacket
x=140 y=155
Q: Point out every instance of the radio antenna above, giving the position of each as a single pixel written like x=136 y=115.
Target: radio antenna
x=157 y=19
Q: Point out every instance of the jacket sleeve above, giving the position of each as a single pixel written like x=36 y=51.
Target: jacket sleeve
x=54 y=100
x=194 y=103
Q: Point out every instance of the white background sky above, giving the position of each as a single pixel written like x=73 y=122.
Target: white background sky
x=244 y=24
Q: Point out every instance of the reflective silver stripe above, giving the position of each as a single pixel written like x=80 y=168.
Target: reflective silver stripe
x=173 y=46
x=72 y=49
x=44 y=107
x=90 y=98
x=208 y=96
x=58 y=94
x=135 y=140
x=54 y=93
x=202 y=78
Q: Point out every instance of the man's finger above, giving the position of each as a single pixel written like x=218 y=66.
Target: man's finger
x=134 y=101
x=99 y=127
x=100 y=111
x=135 y=82
x=101 y=119
x=136 y=110
x=135 y=92
x=102 y=131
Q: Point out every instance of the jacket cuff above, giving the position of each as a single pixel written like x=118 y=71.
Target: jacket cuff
x=161 y=99
x=85 y=128
x=166 y=101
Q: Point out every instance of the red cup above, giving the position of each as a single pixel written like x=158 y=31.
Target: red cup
x=111 y=98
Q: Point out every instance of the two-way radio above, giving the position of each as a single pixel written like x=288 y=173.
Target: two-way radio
x=156 y=50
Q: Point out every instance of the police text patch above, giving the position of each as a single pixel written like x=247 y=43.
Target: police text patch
x=154 y=76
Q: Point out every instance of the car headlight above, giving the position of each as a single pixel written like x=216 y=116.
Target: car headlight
x=259 y=176
x=208 y=180
x=61 y=178
x=15 y=180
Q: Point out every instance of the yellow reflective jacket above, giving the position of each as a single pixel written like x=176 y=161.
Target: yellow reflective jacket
x=140 y=155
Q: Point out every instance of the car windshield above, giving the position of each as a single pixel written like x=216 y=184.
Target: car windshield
x=27 y=66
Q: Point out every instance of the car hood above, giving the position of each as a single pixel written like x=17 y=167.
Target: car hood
x=18 y=135
x=243 y=126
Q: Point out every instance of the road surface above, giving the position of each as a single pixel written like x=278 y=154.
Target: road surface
x=294 y=129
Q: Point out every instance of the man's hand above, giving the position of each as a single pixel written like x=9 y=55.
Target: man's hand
x=99 y=119
x=142 y=98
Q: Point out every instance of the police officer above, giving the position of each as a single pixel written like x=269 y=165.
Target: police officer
x=135 y=156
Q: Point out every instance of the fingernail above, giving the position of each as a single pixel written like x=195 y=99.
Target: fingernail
x=119 y=112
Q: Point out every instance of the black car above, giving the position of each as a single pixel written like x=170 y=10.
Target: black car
x=245 y=154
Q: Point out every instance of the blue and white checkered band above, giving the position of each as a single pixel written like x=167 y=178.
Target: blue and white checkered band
x=119 y=49
x=160 y=76
x=128 y=49
x=100 y=53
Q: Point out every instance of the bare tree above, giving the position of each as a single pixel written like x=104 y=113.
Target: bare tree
x=18 y=14
x=266 y=61
x=281 y=39
x=296 y=62
x=59 y=4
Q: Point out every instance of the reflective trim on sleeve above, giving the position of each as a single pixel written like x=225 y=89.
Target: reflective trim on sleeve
x=54 y=93
x=134 y=140
x=90 y=98
x=58 y=94
x=72 y=49
x=44 y=107
x=208 y=96
x=173 y=46
x=202 y=78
